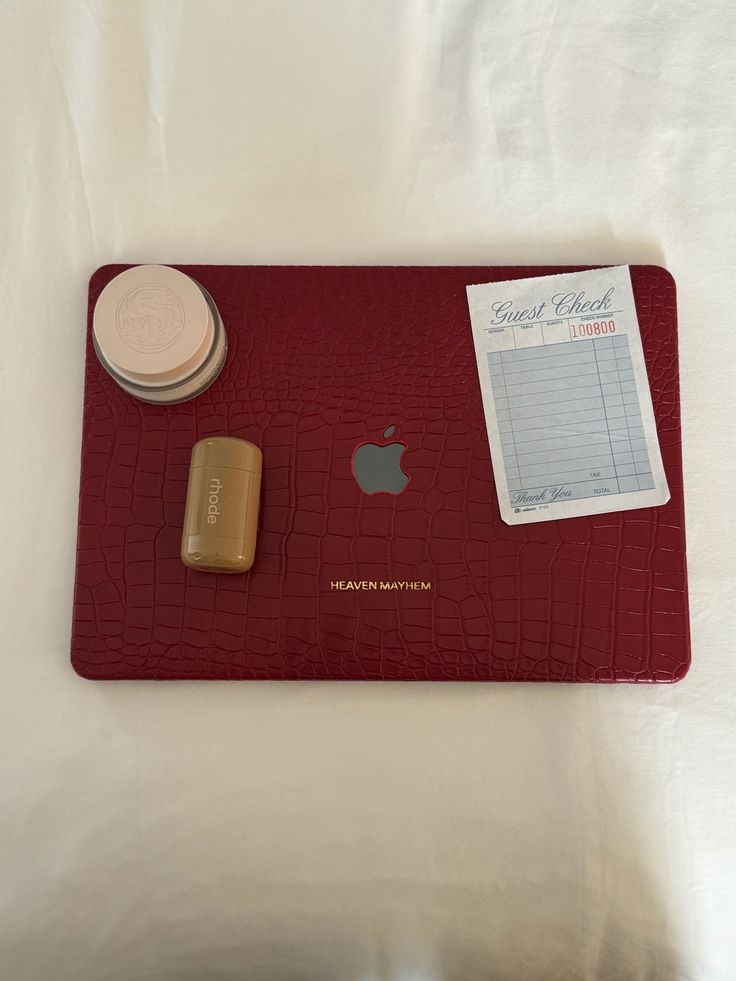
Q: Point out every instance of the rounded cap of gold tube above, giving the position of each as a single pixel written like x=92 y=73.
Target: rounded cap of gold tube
x=226 y=451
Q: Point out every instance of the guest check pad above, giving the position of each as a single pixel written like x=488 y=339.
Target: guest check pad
x=566 y=396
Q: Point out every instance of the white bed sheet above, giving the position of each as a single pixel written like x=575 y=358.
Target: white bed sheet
x=358 y=831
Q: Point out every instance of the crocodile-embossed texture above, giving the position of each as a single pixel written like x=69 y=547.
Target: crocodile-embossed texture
x=322 y=359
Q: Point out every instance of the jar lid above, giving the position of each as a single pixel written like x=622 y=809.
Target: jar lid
x=153 y=325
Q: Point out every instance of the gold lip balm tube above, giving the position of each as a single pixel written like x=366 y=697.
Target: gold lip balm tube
x=223 y=497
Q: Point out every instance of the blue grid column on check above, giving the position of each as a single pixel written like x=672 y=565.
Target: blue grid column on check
x=554 y=419
x=627 y=432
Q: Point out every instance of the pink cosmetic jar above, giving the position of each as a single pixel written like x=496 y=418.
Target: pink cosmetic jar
x=158 y=333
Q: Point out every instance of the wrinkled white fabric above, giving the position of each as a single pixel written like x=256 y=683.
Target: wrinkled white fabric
x=187 y=832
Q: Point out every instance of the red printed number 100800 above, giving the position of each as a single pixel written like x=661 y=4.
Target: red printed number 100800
x=592 y=329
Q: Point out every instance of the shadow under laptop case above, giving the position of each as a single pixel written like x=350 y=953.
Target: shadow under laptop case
x=323 y=359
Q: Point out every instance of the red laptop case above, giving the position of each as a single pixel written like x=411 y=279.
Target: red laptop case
x=322 y=359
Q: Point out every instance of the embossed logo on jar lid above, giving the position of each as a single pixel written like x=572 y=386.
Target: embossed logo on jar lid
x=150 y=317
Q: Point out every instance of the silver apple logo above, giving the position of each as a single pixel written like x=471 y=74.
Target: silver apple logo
x=377 y=466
